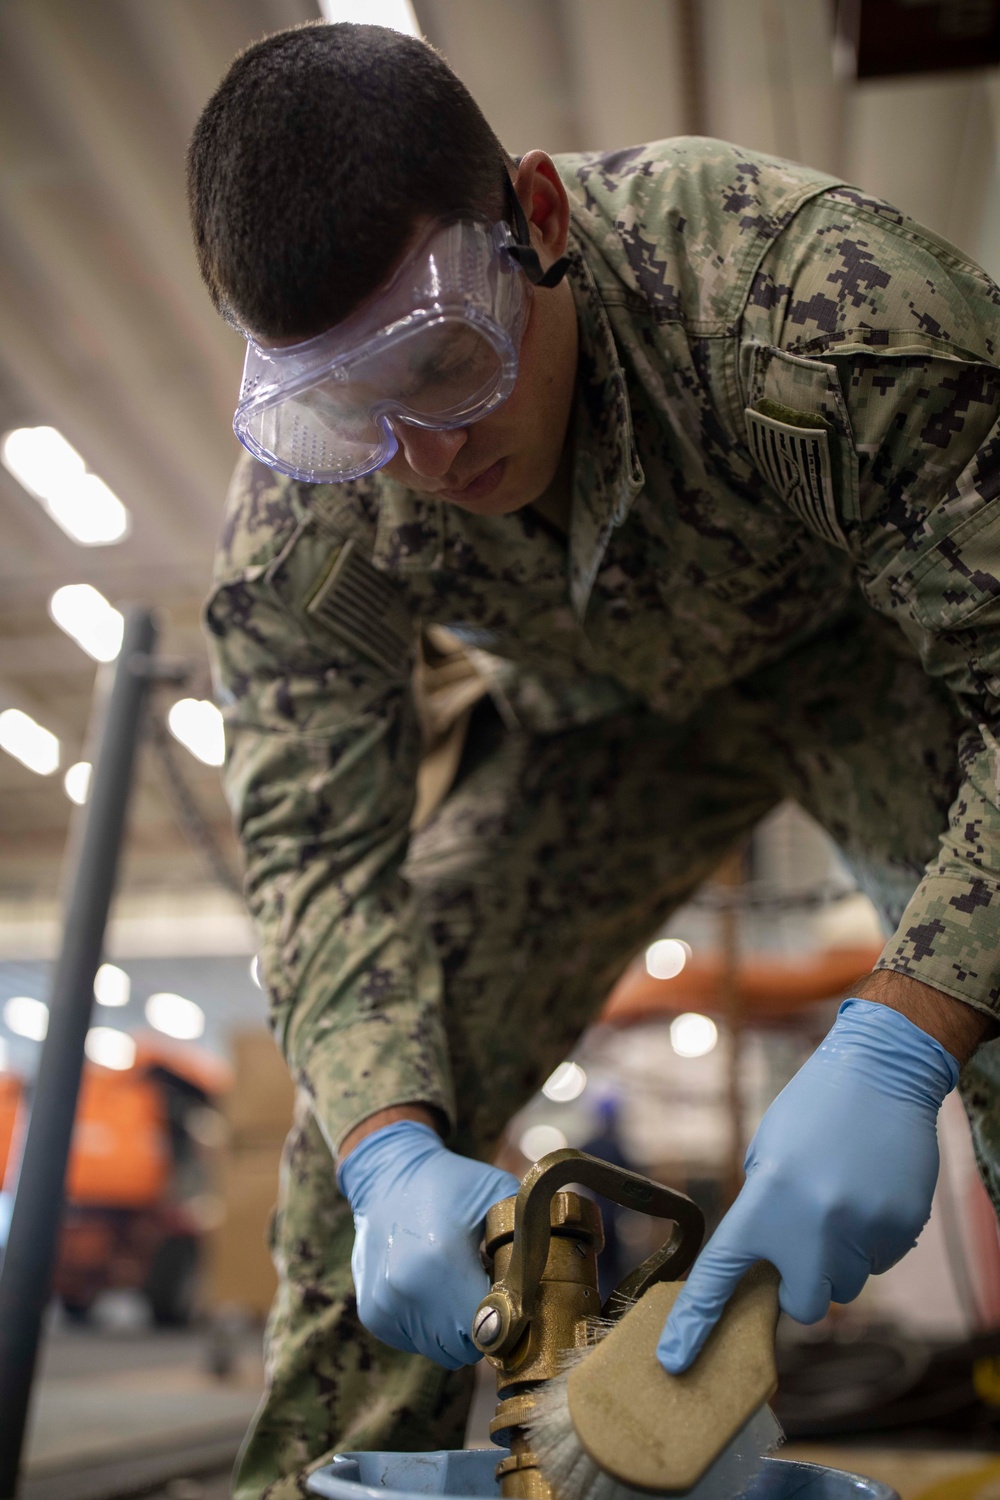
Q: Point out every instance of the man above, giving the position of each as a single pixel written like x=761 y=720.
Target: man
x=695 y=451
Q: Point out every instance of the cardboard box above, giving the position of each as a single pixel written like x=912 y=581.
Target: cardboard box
x=238 y=1263
x=259 y=1107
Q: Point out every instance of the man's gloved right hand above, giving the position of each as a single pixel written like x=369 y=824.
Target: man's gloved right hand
x=418 y=1220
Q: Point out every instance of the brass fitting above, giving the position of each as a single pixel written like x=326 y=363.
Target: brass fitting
x=567 y=1298
x=542 y=1247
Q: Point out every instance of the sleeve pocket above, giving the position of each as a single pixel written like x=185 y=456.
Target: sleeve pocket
x=800 y=441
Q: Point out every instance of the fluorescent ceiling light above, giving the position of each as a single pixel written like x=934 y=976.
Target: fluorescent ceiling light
x=53 y=472
x=112 y=985
x=566 y=1083
x=109 y=1048
x=28 y=742
x=44 y=462
x=396 y=14
x=90 y=513
x=27 y=1017
x=692 y=1035
x=175 y=1016
x=197 y=724
x=77 y=782
x=666 y=958
x=539 y=1140
x=84 y=613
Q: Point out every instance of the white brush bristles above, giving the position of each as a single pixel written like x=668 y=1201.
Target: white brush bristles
x=561 y=1457
x=573 y=1475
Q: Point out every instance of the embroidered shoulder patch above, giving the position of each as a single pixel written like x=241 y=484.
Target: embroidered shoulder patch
x=354 y=599
x=791 y=449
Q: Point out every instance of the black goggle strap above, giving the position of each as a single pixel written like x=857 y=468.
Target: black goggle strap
x=523 y=251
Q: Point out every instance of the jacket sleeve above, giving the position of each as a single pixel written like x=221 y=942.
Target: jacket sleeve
x=313 y=660
x=873 y=405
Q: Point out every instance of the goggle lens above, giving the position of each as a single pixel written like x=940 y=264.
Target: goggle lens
x=447 y=357
x=309 y=435
x=442 y=369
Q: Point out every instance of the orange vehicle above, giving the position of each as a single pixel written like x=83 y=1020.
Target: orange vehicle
x=136 y=1180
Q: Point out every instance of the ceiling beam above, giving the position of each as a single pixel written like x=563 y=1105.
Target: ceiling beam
x=627 y=68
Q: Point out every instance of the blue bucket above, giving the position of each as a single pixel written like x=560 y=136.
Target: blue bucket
x=470 y=1472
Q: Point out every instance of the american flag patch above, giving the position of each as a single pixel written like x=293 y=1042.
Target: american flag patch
x=357 y=602
x=795 y=461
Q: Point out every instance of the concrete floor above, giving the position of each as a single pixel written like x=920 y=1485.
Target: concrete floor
x=117 y=1403
x=915 y=1473
x=210 y=1488
x=122 y=1409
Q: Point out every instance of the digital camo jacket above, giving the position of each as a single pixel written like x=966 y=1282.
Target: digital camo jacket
x=788 y=395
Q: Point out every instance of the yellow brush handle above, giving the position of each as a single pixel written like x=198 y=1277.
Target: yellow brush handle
x=655 y=1431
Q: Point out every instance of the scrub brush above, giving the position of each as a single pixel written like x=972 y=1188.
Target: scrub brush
x=615 y=1422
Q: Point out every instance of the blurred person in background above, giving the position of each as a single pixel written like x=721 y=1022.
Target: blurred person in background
x=616 y=1259
x=654 y=486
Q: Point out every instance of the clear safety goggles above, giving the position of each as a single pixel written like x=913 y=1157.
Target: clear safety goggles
x=437 y=348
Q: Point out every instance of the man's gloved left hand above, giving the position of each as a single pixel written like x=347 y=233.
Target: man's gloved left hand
x=840 y=1176
x=418 y=1220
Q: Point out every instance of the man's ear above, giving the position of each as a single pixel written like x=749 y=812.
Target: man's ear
x=545 y=203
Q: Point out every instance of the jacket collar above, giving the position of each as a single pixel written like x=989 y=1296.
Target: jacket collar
x=410 y=534
x=607 y=474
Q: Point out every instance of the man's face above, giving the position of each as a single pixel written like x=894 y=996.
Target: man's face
x=509 y=458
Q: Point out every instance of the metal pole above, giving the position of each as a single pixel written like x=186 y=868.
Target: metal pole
x=26 y=1274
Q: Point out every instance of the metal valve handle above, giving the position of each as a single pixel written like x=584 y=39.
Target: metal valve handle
x=509 y=1306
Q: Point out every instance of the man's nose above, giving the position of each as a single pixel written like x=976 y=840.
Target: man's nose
x=428 y=452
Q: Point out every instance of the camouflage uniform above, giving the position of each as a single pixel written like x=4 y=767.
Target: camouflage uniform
x=781 y=578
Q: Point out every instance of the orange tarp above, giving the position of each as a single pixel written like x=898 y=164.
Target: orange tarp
x=769 y=989
x=120 y=1153
x=10 y=1098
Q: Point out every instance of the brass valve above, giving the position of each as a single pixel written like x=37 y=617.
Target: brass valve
x=543 y=1246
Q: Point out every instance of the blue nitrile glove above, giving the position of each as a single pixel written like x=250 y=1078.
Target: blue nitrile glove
x=418 y=1220
x=840 y=1176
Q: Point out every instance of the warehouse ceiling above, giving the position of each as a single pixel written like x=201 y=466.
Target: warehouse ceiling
x=106 y=334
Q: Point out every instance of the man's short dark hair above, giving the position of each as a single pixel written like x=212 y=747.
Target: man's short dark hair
x=312 y=162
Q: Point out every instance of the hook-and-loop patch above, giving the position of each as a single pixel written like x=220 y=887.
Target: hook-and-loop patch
x=357 y=602
x=795 y=461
